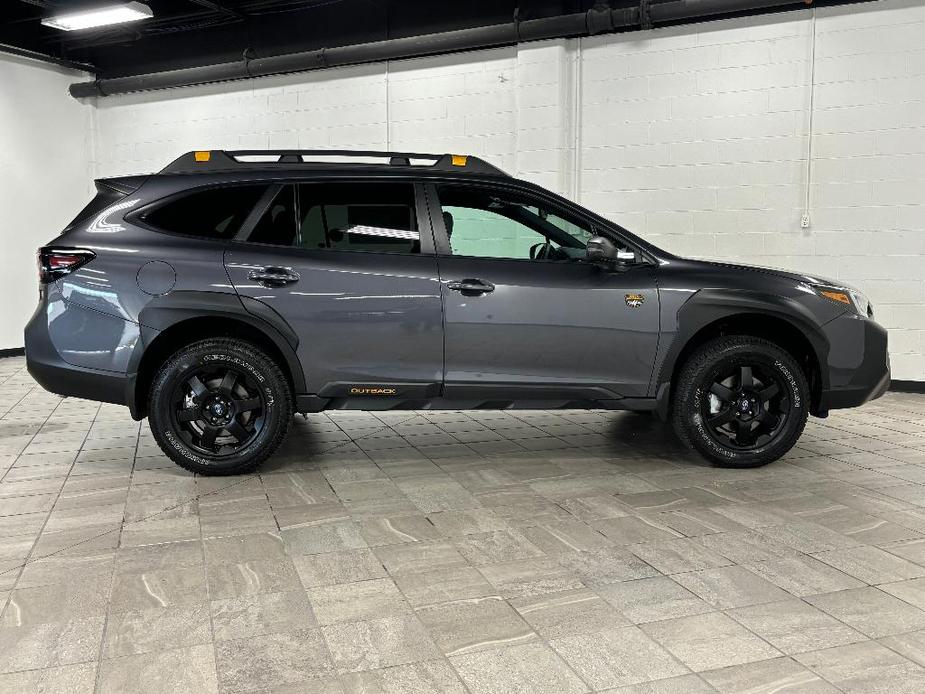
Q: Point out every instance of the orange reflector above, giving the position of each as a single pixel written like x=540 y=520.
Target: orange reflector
x=837 y=296
x=203 y=156
x=459 y=159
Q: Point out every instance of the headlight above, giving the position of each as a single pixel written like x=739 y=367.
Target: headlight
x=845 y=295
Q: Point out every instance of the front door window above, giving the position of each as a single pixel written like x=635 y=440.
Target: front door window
x=486 y=224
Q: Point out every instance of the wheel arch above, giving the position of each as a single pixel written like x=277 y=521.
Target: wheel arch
x=170 y=326
x=776 y=319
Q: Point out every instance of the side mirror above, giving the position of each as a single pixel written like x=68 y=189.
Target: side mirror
x=600 y=248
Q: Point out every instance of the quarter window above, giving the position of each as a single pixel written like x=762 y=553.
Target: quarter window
x=214 y=212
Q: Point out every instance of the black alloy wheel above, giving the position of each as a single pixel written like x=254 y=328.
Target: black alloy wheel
x=746 y=406
x=740 y=401
x=218 y=409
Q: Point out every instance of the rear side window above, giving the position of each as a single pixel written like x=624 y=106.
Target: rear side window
x=213 y=213
x=372 y=217
x=376 y=217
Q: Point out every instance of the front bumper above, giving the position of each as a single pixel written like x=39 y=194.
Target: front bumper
x=858 y=363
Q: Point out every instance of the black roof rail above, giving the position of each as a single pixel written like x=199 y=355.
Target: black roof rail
x=205 y=161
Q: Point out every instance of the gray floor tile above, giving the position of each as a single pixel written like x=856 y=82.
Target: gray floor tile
x=910 y=645
x=808 y=537
x=183 y=669
x=261 y=614
x=652 y=599
x=675 y=556
x=611 y=565
x=443 y=585
x=794 y=626
x=465 y=626
x=243 y=548
x=50 y=644
x=337 y=567
x=630 y=530
x=747 y=546
x=617 y=657
x=271 y=660
x=709 y=641
x=730 y=586
x=379 y=643
x=530 y=577
x=156 y=629
x=803 y=575
x=419 y=557
x=497 y=546
x=866 y=667
x=56 y=602
x=252 y=577
x=683 y=684
x=159 y=588
x=397 y=530
x=567 y=613
x=871 y=564
x=566 y=536
x=768 y=677
x=525 y=668
x=871 y=611
x=329 y=537
x=68 y=679
x=353 y=602
x=426 y=677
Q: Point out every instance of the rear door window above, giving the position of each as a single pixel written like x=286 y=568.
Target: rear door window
x=363 y=216
x=212 y=212
x=377 y=217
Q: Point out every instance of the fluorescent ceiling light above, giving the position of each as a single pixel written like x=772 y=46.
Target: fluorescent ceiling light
x=100 y=16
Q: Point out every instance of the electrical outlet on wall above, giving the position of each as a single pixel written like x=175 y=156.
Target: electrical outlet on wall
x=804 y=221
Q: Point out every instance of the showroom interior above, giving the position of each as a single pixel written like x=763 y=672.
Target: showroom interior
x=492 y=550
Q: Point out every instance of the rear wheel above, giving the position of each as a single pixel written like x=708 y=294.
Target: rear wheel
x=740 y=401
x=220 y=407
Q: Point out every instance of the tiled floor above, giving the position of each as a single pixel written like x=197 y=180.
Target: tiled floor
x=482 y=552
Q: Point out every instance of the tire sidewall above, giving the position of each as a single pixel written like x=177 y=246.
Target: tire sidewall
x=175 y=372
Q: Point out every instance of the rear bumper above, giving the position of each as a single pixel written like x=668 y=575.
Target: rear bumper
x=55 y=375
x=858 y=363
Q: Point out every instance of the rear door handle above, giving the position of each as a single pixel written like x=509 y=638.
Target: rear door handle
x=471 y=287
x=273 y=276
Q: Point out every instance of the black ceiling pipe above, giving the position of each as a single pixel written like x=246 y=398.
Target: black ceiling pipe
x=595 y=21
x=45 y=58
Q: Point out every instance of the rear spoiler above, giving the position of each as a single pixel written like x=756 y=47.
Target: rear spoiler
x=108 y=192
x=119 y=184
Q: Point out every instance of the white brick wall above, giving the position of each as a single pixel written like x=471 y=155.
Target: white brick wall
x=44 y=177
x=695 y=136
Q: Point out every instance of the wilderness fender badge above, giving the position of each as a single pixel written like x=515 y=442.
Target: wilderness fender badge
x=634 y=300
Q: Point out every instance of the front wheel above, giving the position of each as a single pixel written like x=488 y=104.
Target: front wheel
x=219 y=407
x=740 y=401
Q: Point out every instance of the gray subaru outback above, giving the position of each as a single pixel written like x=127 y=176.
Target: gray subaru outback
x=232 y=289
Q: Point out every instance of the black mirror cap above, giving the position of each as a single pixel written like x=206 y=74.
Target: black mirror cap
x=600 y=248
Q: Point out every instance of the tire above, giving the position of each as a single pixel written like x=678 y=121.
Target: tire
x=740 y=401
x=213 y=384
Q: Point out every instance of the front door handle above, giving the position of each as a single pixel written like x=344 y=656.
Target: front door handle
x=470 y=287
x=273 y=276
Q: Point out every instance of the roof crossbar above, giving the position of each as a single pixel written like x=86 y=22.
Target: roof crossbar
x=222 y=160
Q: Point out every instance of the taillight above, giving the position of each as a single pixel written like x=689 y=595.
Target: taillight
x=55 y=263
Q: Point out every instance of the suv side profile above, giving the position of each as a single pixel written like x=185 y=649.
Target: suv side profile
x=232 y=289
